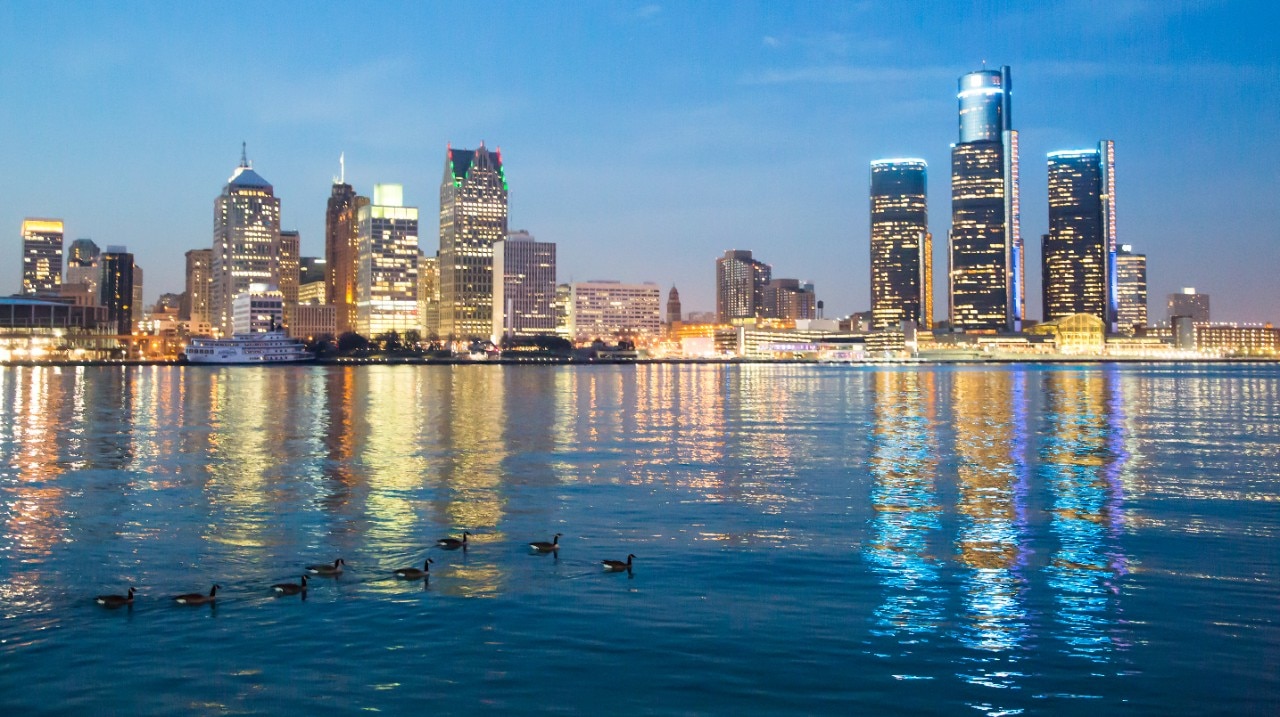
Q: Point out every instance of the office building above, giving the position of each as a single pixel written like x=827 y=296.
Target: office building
x=524 y=286
x=789 y=299
x=1131 y=290
x=673 y=308
x=246 y=238
x=1189 y=304
x=138 y=308
x=1237 y=339
x=312 y=293
x=613 y=311
x=312 y=268
x=564 y=310
x=740 y=282
x=290 y=273
x=429 y=295
x=473 y=216
x=387 y=264
x=195 y=306
x=985 y=275
x=1078 y=254
x=341 y=224
x=901 y=245
x=41 y=256
x=82 y=268
x=258 y=309
x=116 y=288
x=312 y=321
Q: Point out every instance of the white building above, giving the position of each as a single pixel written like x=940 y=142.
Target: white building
x=524 y=286
x=611 y=310
x=257 y=310
x=387 y=264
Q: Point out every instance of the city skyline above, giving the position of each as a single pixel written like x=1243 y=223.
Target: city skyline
x=699 y=151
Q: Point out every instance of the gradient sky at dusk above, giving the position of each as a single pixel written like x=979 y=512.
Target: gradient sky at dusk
x=646 y=139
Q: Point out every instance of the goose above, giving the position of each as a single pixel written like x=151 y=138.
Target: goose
x=326 y=569
x=453 y=543
x=615 y=566
x=291 y=588
x=197 y=598
x=542 y=547
x=414 y=573
x=116 y=600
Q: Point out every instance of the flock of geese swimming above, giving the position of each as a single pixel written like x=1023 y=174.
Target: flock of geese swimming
x=334 y=570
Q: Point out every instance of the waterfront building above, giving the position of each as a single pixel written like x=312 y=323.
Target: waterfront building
x=258 y=309
x=195 y=305
x=1237 y=339
x=789 y=299
x=1131 y=290
x=673 y=308
x=1082 y=333
x=387 y=264
x=340 y=242
x=612 y=311
x=312 y=293
x=1190 y=304
x=986 y=271
x=429 y=295
x=116 y=288
x=82 y=266
x=740 y=282
x=524 y=286
x=290 y=271
x=1078 y=254
x=138 y=308
x=246 y=239
x=312 y=268
x=564 y=310
x=35 y=329
x=41 y=256
x=473 y=217
x=312 y=321
x=901 y=245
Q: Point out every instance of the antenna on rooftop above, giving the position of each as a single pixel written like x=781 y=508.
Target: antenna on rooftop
x=342 y=166
x=244 y=155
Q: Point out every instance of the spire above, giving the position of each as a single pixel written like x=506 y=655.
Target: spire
x=244 y=156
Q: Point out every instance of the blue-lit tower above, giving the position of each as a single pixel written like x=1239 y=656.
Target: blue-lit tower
x=1079 y=252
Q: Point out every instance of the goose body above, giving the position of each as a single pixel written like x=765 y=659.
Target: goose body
x=197 y=598
x=326 y=569
x=115 y=600
x=291 y=588
x=453 y=543
x=414 y=573
x=542 y=547
x=615 y=566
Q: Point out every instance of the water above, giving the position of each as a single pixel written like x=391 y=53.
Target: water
x=991 y=540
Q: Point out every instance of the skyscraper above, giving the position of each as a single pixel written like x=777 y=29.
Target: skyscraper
x=429 y=295
x=41 y=256
x=387 y=264
x=340 y=226
x=473 y=215
x=524 y=286
x=1078 y=253
x=137 y=308
x=1131 y=290
x=986 y=258
x=82 y=266
x=116 y=288
x=246 y=237
x=196 y=297
x=290 y=274
x=901 y=245
x=740 y=282
x=1189 y=304
x=673 y=308
x=789 y=299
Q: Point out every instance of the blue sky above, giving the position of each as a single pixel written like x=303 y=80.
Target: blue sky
x=646 y=139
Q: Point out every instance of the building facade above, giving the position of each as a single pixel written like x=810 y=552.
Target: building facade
x=195 y=306
x=790 y=300
x=257 y=310
x=473 y=217
x=1078 y=255
x=41 y=256
x=986 y=263
x=901 y=245
x=340 y=242
x=246 y=239
x=1131 y=290
x=290 y=271
x=1190 y=304
x=387 y=264
x=740 y=282
x=138 y=307
x=674 y=315
x=82 y=268
x=612 y=310
x=311 y=321
x=116 y=288
x=524 y=286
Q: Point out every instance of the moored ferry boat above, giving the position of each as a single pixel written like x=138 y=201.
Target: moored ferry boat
x=269 y=347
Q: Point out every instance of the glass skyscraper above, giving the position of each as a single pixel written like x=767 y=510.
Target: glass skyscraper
x=524 y=286
x=1131 y=290
x=246 y=241
x=986 y=282
x=473 y=216
x=901 y=246
x=387 y=264
x=1079 y=253
x=41 y=256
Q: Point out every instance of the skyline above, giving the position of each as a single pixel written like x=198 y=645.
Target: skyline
x=746 y=128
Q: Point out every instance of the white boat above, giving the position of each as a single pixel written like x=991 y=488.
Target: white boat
x=260 y=348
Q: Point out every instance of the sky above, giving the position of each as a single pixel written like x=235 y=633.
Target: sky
x=646 y=139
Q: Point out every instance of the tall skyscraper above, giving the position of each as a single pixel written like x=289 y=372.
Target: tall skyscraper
x=82 y=268
x=137 y=308
x=1190 y=304
x=246 y=237
x=524 y=286
x=473 y=215
x=387 y=264
x=429 y=295
x=199 y=276
x=290 y=273
x=340 y=227
x=901 y=245
x=1078 y=253
x=986 y=276
x=740 y=282
x=116 y=288
x=674 y=315
x=41 y=256
x=1131 y=290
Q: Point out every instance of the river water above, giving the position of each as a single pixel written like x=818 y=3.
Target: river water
x=1019 y=539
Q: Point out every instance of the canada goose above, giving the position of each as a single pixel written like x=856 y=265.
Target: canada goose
x=414 y=573
x=453 y=543
x=542 y=547
x=615 y=566
x=326 y=569
x=291 y=588
x=116 y=600
x=197 y=598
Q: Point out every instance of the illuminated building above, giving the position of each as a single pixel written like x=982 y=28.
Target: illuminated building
x=1078 y=254
x=429 y=295
x=312 y=268
x=137 y=312
x=312 y=294
x=36 y=328
x=564 y=309
x=740 y=282
x=1074 y=334
x=473 y=216
x=788 y=299
x=246 y=237
x=340 y=228
x=313 y=320
x=288 y=253
x=1131 y=290
x=1190 y=304
x=673 y=307
x=986 y=255
x=195 y=306
x=611 y=310
x=257 y=309
x=116 y=288
x=901 y=245
x=524 y=286
x=82 y=266
x=387 y=264
x=1237 y=339
x=41 y=256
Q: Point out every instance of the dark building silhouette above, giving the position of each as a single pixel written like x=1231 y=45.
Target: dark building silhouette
x=1078 y=262
x=901 y=245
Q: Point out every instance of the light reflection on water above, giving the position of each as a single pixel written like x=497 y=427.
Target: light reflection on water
x=809 y=539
